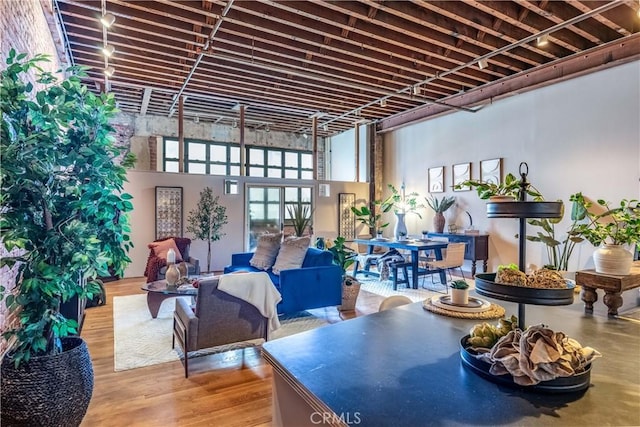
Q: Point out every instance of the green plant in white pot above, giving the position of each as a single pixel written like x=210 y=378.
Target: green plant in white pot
x=63 y=214
x=610 y=229
x=459 y=292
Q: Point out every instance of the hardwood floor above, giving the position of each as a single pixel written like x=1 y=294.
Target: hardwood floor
x=229 y=389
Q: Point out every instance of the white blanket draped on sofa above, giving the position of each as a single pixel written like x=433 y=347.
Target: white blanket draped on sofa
x=257 y=289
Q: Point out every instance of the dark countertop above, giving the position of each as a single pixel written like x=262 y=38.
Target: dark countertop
x=402 y=367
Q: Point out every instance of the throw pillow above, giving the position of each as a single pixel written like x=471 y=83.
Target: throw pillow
x=291 y=254
x=160 y=249
x=266 y=251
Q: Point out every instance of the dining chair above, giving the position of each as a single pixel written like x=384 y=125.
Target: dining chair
x=394 y=301
x=365 y=259
x=454 y=258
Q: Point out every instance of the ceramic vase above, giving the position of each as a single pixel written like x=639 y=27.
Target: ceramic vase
x=438 y=222
x=183 y=268
x=613 y=259
x=172 y=275
x=400 y=228
x=460 y=296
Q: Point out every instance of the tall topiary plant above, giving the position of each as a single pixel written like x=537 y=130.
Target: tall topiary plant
x=61 y=200
x=207 y=219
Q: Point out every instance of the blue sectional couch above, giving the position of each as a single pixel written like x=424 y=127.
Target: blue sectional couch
x=318 y=283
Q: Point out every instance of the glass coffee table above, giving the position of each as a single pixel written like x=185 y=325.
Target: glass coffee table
x=158 y=291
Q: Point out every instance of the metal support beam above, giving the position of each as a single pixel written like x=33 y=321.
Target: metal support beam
x=596 y=59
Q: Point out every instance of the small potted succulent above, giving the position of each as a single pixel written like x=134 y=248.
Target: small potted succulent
x=459 y=292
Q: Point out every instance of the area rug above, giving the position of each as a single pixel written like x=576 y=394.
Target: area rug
x=385 y=288
x=139 y=340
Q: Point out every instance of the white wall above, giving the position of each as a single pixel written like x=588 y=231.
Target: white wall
x=142 y=185
x=579 y=135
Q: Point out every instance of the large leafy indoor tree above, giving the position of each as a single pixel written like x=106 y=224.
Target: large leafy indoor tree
x=61 y=199
x=207 y=219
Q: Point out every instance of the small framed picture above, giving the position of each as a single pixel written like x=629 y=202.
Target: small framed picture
x=491 y=171
x=461 y=172
x=436 y=179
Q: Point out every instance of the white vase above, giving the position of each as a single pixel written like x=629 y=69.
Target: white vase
x=400 y=227
x=613 y=259
x=460 y=296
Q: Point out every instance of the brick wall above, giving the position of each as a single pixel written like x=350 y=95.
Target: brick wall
x=26 y=28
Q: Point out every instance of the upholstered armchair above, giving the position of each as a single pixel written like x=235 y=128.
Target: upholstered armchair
x=218 y=319
x=157 y=261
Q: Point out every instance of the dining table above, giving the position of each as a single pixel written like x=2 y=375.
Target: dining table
x=414 y=246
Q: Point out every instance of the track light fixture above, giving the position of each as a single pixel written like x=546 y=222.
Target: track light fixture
x=109 y=71
x=266 y=128
x=235 y=124
x=108 y=50
x=108 y=19
x=383 y=102
x=482 y=64
x=325 y=128
x=305 y=136
x=543 y=40
x=416 y=90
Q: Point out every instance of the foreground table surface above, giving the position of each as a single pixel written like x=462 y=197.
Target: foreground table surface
x=402 y=367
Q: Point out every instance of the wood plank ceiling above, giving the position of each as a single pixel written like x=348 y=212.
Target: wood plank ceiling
x=342 y=61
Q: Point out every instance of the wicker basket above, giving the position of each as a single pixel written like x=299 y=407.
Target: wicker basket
x=48 y=390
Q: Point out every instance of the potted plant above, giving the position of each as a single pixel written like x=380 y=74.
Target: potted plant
x=559 y=248
x=63 y=220
x=207 y=219
x=459 y=292
x=439 y=207
x=344 y=257
x=508 y=189
x=301 y=216
x=610 y=230
x=402 y=204
x=372 y=218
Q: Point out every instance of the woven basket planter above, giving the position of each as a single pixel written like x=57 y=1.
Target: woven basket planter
x=48 y=390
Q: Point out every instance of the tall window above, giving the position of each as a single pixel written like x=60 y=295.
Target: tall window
x=221 y=158
x=266 y=209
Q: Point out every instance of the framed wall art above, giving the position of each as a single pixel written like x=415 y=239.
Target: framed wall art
x=346 y=217
x=168 y=212
x=436 y=179
x=460 y=173
x=491 y=171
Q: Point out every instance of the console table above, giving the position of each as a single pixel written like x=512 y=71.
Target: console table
x=613 y=287
x=476 y=249
x=402 y=367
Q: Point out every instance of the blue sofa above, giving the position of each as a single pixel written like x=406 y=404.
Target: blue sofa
x=318 y=283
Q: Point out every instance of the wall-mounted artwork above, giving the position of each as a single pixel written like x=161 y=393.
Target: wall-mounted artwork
x=168 y=212
x=461 y=172
x=346 y=217
x=491 y=171
x=436 y=179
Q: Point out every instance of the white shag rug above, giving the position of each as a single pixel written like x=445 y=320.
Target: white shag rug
x=140 y=340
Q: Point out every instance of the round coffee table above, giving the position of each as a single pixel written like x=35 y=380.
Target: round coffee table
x=158 y=291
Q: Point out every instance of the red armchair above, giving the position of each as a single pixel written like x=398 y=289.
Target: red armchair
x=157 y=265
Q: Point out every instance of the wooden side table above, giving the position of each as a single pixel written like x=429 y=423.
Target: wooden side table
x=613 y=287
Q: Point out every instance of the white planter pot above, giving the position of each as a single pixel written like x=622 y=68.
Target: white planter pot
x=612 y=259
x=460 y=296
